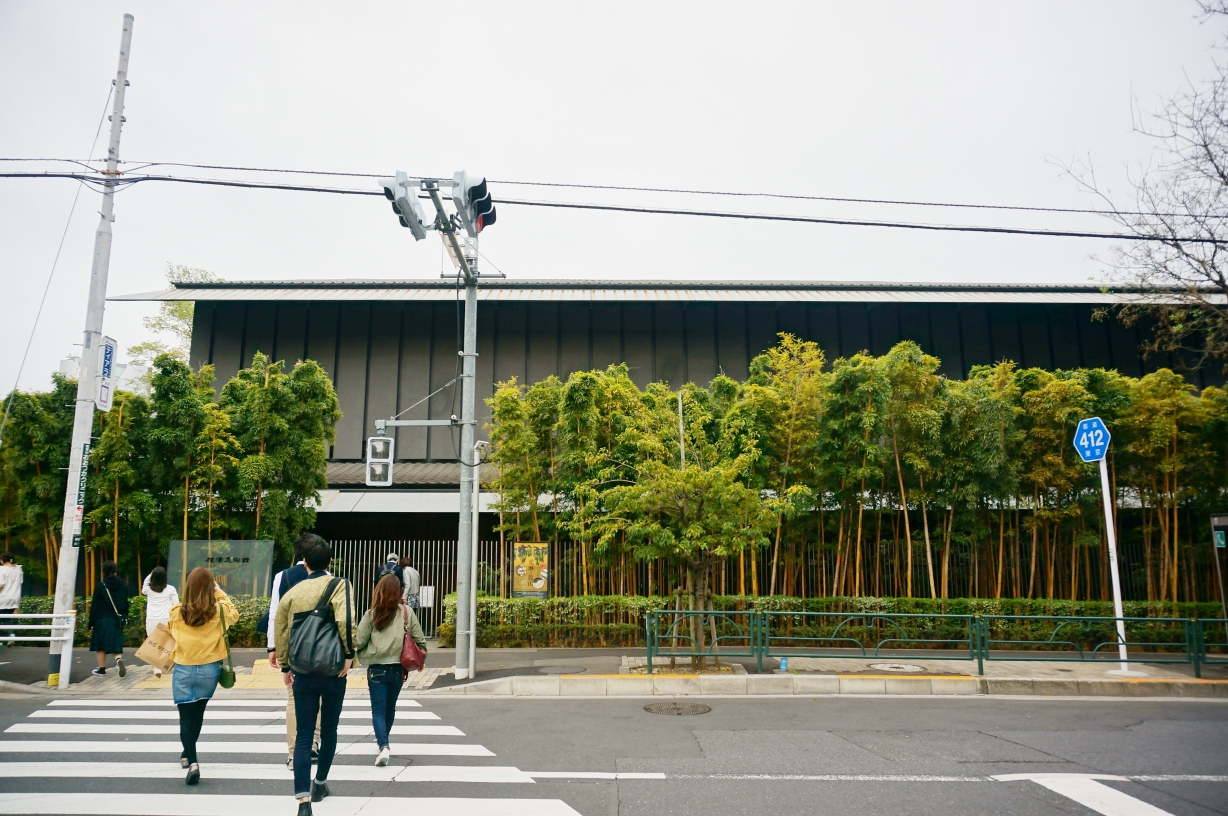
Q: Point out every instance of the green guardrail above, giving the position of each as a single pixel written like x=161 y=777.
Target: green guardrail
x=763 y=634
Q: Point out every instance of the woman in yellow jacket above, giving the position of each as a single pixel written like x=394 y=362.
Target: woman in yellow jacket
x=197 y=626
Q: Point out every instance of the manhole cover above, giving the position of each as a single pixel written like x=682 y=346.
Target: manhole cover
x=897 y=667
x=561 y=669
x=677 y=709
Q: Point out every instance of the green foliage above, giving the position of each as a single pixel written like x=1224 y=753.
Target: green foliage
x=174 y=318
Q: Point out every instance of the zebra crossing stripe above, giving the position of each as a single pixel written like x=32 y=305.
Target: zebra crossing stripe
x=209 y=715
x=180 y=804
x=216 y=701
x=279 y=728
x=232 y=770
x=208 y=747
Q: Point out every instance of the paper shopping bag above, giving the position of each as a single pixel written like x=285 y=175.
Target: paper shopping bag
x=158 y=650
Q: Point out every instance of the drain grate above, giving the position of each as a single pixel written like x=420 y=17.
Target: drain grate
x=677 y=709
x=562 y=669
x=897 y=667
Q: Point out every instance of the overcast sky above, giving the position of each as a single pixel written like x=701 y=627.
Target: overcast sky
x=964 y=102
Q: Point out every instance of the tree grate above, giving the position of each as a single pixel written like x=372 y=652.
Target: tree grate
x=677 y=709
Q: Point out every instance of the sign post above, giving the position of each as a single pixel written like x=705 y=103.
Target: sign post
x=1091 y=440
x=1219 y=541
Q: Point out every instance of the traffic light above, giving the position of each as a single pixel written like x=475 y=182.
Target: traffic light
x=404 y=198
x=379 y=461
x=473 y=203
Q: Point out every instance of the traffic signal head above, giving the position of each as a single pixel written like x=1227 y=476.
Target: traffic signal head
x=404 y=198
x=379 y=461
x=473 y=202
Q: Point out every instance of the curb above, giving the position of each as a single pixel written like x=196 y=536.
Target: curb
x=621 y=685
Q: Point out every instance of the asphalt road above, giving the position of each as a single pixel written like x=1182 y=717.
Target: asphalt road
x=835 y=755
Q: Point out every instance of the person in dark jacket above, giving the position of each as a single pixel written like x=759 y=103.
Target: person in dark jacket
x=108 y=614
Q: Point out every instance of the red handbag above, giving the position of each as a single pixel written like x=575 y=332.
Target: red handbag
x=412 y=656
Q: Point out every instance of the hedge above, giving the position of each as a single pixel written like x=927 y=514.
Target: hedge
x=618 y=620
x=242 y=633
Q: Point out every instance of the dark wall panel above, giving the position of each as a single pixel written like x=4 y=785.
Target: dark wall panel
x=761 y=327
x=322 y=337
x=669 y=349
x=202 y=334
x=383 y=368
x=826 y=329
x=510 y=346
x=944 y=319
x=1066 y=336
x=791 y=318
x=440 y=443
x=1125 y=348
x=731 y=339
x=884 y=327
x=485 y=369
x=1095 y=334
x=415 y=379
x=543 y=341
x=637 y=337
x=914 y=321
x=1034 y=329
x=1004 y=332
x=854 y=329
x=607 y=334
x=575 y=354
x=977 y=345
x=229 y=328
x=700 y=343
x=290 y=342
x=261 y=326
x=351 y=379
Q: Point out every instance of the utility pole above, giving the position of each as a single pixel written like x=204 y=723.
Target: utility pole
x=83 y=417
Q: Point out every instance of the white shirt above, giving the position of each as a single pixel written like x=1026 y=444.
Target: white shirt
x=10 y=586
x=274 y=598
x=158 y=607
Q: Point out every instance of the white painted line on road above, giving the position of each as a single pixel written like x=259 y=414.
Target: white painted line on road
x=592 y=775
x=235 y=770
x=1178 y=778
x=1097 y=796
x=835 y=777
x=216 y=701
x=208 y=747
x=344 y=730
x=180 y=804
x=280 y=714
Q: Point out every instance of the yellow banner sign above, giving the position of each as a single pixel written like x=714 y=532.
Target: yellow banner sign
x=530 y=570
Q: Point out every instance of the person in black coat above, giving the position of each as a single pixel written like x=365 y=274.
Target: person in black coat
x=108 y=614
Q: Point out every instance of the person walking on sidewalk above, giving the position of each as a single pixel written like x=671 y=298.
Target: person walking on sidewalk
x=381 y=633
x=198 y=625
x=10 y=589
x=412 y=582
x=283 y=582
x=315 y=634
x=160 y=596
x=108 y=614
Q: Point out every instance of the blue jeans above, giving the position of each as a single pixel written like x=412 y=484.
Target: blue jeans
x=384 y=683
x=322 y=695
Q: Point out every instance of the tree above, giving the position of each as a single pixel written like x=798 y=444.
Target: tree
x=177 y=416
x=174 y=318
x=216 y=459
x=120 y=461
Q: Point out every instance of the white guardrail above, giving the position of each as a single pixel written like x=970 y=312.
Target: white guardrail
x=59 y=629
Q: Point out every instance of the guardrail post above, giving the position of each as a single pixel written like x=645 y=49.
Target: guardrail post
x=70 y=619
x=1194 y=639
x=979 y=629
x=758 y=637
x=650 y=627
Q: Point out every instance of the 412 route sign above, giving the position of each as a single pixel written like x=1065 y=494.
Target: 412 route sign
x=1091 y=439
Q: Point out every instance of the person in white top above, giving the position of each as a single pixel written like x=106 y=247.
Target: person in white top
x=10 y=589
x=161 y=597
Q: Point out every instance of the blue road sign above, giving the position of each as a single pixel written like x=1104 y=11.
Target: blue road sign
x=1091 y=439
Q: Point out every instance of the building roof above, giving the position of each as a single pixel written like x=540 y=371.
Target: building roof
x=644 y=291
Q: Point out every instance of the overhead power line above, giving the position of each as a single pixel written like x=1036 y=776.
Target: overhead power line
x=678 y=191
x=127 y=181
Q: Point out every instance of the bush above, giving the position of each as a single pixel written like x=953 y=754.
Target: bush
x=243 y=633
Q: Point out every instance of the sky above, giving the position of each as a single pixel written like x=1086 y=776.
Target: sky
x=966 y=102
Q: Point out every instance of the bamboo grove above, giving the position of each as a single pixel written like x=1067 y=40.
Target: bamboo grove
x=184 y=462
x=871 y=476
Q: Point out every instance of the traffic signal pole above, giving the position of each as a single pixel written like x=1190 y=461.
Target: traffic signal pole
x=59 y=661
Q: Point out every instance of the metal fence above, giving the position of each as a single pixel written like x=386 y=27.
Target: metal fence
x=360 y=561
x=59 y=629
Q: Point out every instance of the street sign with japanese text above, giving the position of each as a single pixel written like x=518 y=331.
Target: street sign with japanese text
x=1091 y=439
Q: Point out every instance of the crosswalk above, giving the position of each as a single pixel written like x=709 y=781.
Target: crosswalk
x=118 y=756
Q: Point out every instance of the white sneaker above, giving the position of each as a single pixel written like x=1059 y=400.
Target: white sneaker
x=157 y=672
x=382 y=759
x=290 y=762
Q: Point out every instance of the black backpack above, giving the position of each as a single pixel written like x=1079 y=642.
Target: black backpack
x=315 y=643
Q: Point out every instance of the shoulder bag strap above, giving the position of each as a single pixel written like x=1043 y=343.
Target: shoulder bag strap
x=112 y=600
x=349 y=628
x=327 y=597
x=221 y=613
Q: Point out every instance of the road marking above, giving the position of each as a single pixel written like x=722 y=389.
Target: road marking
x=1090 y=791
x=216 y=701
x=591 y=775
x=180 y=804
x=343 y=730
x=233 y=770
x=63 y=714
x=836 y=777
x=207 y=747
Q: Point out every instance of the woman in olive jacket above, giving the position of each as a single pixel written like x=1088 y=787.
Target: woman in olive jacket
x=381 y=633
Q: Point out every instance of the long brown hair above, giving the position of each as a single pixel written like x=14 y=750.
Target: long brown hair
x=198 y=607
x=386 y=601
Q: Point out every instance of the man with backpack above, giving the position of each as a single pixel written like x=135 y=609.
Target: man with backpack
x=315 y=631
x=283 y=582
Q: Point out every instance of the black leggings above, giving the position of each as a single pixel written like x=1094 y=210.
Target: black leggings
x=191 y=718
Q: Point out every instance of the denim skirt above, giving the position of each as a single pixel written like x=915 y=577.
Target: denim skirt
x=192 y=683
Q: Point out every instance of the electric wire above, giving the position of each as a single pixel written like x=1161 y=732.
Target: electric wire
x=801 y=219
x=8 y=404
